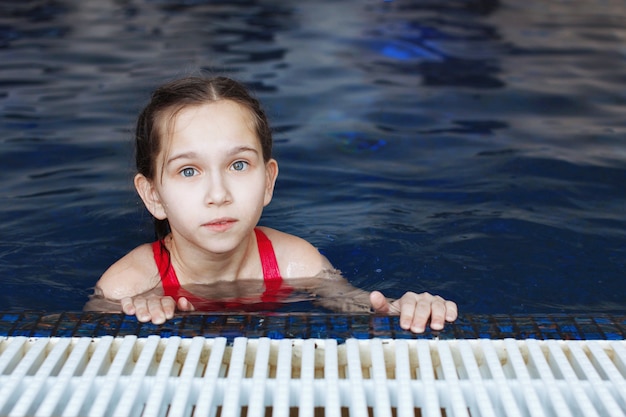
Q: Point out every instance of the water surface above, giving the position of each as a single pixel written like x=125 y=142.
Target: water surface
x=469 y=148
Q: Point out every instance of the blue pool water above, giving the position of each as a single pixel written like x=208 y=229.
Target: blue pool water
x=475 y=149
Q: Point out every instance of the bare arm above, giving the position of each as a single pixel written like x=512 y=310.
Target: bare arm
x=415 y=310
x=132 y=286
x=336 y=293
x=98 y=302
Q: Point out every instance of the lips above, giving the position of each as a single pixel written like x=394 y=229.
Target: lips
x=220 y=224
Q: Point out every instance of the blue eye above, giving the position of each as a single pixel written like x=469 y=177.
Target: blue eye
x=188 y=172
x=239 y=165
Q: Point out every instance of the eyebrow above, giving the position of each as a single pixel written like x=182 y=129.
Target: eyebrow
x=193 y=155
x=185 y=155
x=242 y=149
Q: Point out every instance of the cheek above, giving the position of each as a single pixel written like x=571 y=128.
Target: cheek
x=177 y=195
x=254 y=194
x=251 y=192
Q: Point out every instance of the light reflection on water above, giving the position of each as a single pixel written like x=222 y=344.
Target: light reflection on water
x=469 y=148
x=326 y=292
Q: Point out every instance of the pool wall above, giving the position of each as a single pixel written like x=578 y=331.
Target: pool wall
x=307 y=325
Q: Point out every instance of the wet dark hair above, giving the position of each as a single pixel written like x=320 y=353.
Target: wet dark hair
x=155 y=120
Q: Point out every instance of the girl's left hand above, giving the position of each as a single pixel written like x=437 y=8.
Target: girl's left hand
x=416 y=309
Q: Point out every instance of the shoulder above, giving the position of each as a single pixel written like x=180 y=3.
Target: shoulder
x=296 y=257
x=133 y=274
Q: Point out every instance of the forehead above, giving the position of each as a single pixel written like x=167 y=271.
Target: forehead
x=221 y=114
x=222 y=118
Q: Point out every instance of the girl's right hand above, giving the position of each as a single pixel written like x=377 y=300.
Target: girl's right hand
x=153 y=307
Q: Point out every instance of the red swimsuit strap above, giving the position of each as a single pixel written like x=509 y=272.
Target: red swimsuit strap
x=169 y=280
x=271 y=272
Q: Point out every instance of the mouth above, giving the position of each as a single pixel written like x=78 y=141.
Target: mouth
x=220 y=224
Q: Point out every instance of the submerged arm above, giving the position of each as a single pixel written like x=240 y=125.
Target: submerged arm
x=415 y=310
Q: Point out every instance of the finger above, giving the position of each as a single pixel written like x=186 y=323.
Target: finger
x=407 y=311
x=379 y=302
x=421 y=316
x=156 y=310
x=184 y=304
x=169 y=307
x=127 y=306
x=452 y=311
x=141 y=310
x=437 y=313
x=422 y=309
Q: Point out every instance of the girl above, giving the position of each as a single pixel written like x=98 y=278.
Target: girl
x=205 y=173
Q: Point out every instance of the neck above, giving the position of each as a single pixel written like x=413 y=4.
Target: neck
x=196 y=265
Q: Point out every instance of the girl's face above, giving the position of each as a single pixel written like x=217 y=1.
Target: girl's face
x=211 y=181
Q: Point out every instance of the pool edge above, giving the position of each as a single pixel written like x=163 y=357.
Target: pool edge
x=337 y=326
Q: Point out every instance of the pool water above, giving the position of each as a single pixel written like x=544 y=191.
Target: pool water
x=474 y=149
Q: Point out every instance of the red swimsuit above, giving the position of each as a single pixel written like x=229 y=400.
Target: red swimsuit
x=274 y=290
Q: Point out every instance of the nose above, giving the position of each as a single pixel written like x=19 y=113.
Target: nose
x=217 y=190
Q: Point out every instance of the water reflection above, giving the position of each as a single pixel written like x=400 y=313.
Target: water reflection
x=329 y=291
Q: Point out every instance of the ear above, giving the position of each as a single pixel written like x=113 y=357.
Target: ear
x=150 y=196
x=271 y=173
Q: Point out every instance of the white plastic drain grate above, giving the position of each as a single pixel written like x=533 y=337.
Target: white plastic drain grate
x=152 y=376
